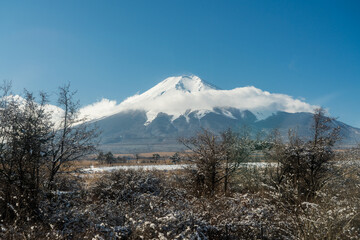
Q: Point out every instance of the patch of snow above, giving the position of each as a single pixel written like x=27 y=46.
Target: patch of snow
x=228 y=114
x=201 y=113
x=145 y=167
x=259 y=164
x=93 y=169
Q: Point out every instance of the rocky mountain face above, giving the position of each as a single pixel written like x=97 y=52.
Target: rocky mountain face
x=181 y=106
x=127 y=131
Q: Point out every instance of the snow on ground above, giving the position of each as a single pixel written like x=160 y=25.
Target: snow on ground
x=258 y=164
x=145 y=167
x=93 y=169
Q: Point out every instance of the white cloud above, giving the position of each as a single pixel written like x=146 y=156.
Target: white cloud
x=104 y=107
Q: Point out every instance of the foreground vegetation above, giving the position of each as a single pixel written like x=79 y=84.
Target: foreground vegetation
x=159 y=205
x=309 y=192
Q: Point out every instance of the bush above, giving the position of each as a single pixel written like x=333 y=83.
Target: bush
x=303 y=165
x=126 y=186
x=215 y=158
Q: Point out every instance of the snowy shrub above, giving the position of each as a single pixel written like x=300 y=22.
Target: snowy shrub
x=336 y=214
x=126 y=186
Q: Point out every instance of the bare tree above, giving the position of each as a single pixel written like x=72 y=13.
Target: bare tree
x=175 y=158
x=206 y=157
x=238 y=149
x=109 y=158
x=33 y=149
x=74 y=138
x=215 y=158
x=305 y=163
x=101 y=157
x=25 y=133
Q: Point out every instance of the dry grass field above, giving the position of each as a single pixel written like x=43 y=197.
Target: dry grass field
x=143 y=159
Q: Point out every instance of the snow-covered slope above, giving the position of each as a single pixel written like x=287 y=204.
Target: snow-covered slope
x=179 y=96
x=55 y=111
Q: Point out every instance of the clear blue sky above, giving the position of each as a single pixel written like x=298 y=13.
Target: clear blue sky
x=113 y=49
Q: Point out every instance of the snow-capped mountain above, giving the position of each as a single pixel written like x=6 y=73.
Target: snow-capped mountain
x=181 y=106
x=55 y=111
x=182 y=95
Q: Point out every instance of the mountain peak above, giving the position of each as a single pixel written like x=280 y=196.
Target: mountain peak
x=184 y=83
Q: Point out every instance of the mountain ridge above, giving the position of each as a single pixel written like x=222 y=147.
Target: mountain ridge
x=126 y=132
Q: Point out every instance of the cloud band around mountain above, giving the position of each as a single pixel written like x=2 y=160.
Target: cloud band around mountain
x=167 y=98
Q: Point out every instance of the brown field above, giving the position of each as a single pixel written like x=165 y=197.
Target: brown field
x=143 y=160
